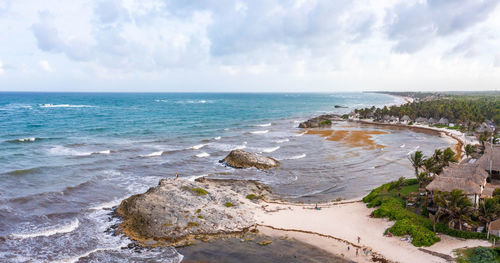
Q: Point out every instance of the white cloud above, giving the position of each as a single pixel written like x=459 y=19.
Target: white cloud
x=44 y=64
x=1 y=68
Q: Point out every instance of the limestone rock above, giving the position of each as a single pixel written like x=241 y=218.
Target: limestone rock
x=242 y=159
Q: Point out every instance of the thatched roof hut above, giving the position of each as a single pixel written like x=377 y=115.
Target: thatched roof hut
x=444 y=121
x=432 y=121
x=405 y=118
x=421 y=120
x=469 y=178
x=491 y=152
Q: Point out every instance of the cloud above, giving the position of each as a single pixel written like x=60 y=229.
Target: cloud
x=496 y=63
x=414 y=26
x=44 y=64
x=1 y=68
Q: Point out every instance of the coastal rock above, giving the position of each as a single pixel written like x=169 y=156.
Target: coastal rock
x=321 y=121
x=243 y=159
x=178 y=209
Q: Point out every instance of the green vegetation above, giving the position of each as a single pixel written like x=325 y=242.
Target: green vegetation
x=390 y=198
x=200 y=216
x=192 y=224
x=198 y=191
x=252 y=197
x=325 y=122
x=468 y=111
x=479 y=255
x=198 y=211
x=228 y=204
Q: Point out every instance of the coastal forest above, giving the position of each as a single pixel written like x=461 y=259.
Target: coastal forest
x=465 y=110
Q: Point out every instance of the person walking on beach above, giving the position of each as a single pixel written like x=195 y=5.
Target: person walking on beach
x=357 y=251
x=348 y=248
x=359 y=239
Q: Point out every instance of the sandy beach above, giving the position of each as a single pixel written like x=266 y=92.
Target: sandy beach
x=337 y=225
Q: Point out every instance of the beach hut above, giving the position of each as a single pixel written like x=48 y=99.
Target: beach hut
x=353 y=116
x=484 y=127
x=490 y=160
x=494 y=227
x=386 y=119
x=421 y=120
x=470 y=178
x=405 y=120
x=393 y=120
x=432 y=121
x=444 y=121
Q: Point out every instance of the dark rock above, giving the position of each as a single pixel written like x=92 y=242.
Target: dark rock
x=322 y=121
x=242 y=159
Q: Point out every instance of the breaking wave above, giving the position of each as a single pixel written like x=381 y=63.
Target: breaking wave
x=153 y=154
x=64 y=106
x=198 y=146
x=264 y=125
x=52 y=231
x=270 y=150
x=203 y=154
x=259 y=132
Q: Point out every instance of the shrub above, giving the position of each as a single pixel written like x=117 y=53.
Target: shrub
x=200 y=216
x=483 y=255
x=198 y=191
x=192 y=224
x=325 y=122
x=410 y=123
x=198 y=210
x=420 y=235
x=252 y=197
x=228 y=204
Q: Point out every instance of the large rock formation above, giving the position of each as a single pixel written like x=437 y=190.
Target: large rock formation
x=242 y=159
x=176 y=210
x=320 y=121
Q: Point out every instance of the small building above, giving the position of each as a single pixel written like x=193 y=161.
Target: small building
x=494 y=227
x=490 y=160
x=432 y=121
x=353 y=116
x=421 y=120
x=470 y=178
x=393 y=120
x=386 y=119
x=484 y=127
x=443 y=121
x=405 y=120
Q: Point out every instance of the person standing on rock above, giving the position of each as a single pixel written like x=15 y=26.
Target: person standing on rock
x=176 y=175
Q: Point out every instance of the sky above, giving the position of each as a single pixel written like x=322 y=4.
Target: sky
x=249 y=46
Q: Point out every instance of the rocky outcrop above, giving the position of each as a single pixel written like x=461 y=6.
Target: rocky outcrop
x=176 y=210
x=321 y=121
x=243 y=159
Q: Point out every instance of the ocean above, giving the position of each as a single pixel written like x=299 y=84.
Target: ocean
x=66 y=159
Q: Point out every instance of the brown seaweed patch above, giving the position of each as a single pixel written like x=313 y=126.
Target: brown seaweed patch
x=322 y=133
x=351 y=138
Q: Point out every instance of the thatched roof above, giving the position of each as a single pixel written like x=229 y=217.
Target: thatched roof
x=495 y=225
x=432 y=120
x=421 y=120
x=492 y=153
x=405 y=118
x=469 y=178
x=444 y=121
x=393 y=118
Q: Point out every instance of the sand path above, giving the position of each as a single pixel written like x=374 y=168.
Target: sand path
x=345 y=222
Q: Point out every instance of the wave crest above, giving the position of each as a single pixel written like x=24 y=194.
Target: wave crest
x=52 y=231
x=260 y=132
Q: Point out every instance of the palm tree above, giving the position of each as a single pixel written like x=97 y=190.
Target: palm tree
x=422 y=179
x=488 y=210
x=430 y=165
x=455 y=207
x=417 y=160
x=448 y=157
x=469 y=150
x=484 y=137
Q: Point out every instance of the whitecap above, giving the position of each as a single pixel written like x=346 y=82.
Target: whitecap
x=217 y=138
x=282 y=140
x=104 y=152
x=30 y=139
x=106 y=205
x=402 y=145
x=153 y=154
x=161 y=100
x=64 y=106
x=52 y=231
x=259 y=132
x=240 y=147
x=296 y=157
x=203 y=154
x=300 y=134
x=264 y=125
x=197 y=147
x=270 y=150
x=194 y=177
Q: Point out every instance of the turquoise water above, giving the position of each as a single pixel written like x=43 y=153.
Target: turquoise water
x=67 y=158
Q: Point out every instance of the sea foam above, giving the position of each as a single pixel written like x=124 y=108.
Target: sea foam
x=282 y=140
x=52 y=231
x=296 y=157
x=153 y=154
x=64 y=106
x=270 y=150
x=259 y=132
x=264 y=125
x=203 y=154
x=197 y=147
